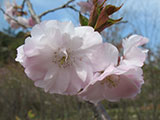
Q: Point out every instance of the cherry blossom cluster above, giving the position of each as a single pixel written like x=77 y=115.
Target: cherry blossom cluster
x=68 y=60
x=15 y=16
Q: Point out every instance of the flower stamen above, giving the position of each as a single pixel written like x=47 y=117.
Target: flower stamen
x=111 y=81
x=62 y=58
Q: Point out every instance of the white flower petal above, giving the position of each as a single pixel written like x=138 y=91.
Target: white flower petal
x=20 y=56
x=90 y=37
x=133 y=55
x=81 y=72
x=103 y=56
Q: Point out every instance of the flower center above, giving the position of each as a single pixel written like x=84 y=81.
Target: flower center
x=62 y=58
x=111 y=81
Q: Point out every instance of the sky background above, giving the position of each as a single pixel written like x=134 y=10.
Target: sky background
x=143 y=16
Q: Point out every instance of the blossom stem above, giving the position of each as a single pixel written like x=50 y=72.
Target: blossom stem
x=99 y=111
x=102 y=111
x=23 y=3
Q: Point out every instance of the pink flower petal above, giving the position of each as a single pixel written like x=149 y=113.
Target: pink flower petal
x=133 y=55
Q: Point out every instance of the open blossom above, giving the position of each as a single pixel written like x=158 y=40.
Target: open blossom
x=31 y=22
x=14 y=24
x=21 y=21
x=114 y=85
x=56 y=56
x=87 y=6
x=26 y=22
x=12 y=10
x=122 y=80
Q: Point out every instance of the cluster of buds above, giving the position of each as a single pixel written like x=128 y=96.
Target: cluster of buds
x=15 y=16
x=99 y=14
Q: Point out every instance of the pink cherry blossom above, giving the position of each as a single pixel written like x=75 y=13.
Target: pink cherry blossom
x=14 y=24
x=10 y=10
x=87 y=6
x=114 y=85
x=31 y=22
x=26 y=22
x=20 y=20
x=56 y=56
x=116 y=81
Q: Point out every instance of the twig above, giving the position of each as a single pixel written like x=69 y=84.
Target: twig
x=66 y=5
x=32 y=12
x=12 y=18
x=94 y=109
x=23 y=3
x=73 y=8
x=99 y=111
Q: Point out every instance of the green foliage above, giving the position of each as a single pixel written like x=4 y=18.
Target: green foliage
x=8 y=45
x=21 y=100
x=83 y=20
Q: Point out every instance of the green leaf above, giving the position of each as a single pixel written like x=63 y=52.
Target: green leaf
x=83 y=20
x=31 y=115
x=17 y=118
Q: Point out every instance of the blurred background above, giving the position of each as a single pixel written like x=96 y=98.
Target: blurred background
x=21 y=100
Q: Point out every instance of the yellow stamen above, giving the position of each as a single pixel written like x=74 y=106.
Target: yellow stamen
x=62 y=60
x=111 y=81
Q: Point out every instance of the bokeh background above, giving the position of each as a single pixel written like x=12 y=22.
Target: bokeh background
x=21 y=100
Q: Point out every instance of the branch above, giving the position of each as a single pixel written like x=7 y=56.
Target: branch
x=102 y=111
x=13 y=18
x=99 y=111
x=66 y=5
x=32 y=12
x=23 y=3
x=73 y=8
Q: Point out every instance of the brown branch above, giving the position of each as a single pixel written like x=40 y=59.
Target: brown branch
x=99 y=111
x=32 y=12
x=66 y=5
x=13 y=18
x=23 y=3
x=73 y=8
x=102 y=111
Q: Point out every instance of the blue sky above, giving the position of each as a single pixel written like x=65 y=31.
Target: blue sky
x=143 y=16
